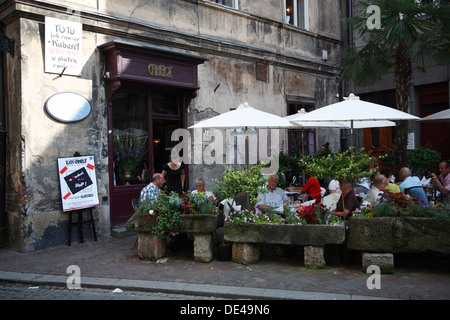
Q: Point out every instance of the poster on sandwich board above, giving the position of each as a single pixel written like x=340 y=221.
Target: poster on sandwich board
x=78 y=183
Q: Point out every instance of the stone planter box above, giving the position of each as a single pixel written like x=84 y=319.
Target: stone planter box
x=384 y=236
x=399 y=235
x=247 y=240
x=201 y=225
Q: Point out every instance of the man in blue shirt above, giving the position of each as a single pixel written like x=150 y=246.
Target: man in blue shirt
x=273 y=198
x=152 y=190
x=411 y=185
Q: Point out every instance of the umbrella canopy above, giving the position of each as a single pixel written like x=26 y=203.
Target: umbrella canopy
x=245 y=117
x=298 y=120
x=354 y=109
x=439 y=116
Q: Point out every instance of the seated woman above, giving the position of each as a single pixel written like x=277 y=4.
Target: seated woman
x=200 y=184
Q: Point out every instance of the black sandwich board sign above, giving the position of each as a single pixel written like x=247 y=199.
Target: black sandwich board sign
x=78 y=183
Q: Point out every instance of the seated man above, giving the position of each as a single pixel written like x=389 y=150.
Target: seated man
x=376 y=190
x=391 y=187
x=443 y=181
x=350 y=201
x=273 y=198
x=151 y=191
x=200 y=184
x=411 y=185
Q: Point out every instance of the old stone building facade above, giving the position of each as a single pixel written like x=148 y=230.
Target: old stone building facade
x=149 y=67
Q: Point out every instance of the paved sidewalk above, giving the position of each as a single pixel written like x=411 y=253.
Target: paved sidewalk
x=113 y=263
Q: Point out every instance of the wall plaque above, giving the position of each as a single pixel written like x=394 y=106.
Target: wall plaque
x=68 y=107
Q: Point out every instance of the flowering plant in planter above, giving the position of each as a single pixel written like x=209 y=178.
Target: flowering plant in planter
x=314 y=214
x=402 y=205
x=250 y=216
x=167 y=211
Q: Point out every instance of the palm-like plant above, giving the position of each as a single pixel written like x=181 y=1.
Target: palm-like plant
x=411 y=33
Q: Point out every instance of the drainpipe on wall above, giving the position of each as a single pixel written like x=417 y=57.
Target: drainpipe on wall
x=3 y=134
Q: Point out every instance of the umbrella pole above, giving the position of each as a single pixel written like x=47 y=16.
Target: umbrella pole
x=246 y=148
x=351 y=134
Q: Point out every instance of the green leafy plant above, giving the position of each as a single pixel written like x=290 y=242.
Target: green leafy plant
x=233 y=181
x=347 y=166
x=423 y=160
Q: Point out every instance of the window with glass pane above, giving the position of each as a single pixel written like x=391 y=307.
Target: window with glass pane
x=130 y=139
x=165 y=103
x=301 y=141
x=296 y=13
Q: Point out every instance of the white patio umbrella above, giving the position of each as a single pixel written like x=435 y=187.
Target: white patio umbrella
x=298 y=119
x=439 y=116
x=245 y=117
x=356 y=111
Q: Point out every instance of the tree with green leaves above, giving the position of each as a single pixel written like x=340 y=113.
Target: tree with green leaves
x=408 y=33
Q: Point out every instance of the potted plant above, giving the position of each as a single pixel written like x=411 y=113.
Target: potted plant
x=310 y=226
x=129 y=149
x=400 y=224
x=188 y=213
x=245 y=180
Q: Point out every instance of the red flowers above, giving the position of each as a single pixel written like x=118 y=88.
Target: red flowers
x=315 y=214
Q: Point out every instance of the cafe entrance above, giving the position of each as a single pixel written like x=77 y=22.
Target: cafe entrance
x=148 y=92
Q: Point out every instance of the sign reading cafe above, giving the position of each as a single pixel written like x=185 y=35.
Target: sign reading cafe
x=63 y=40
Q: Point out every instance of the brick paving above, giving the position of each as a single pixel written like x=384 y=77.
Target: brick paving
x=418 y=277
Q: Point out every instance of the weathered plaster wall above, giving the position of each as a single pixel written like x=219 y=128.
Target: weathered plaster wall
x=234 y=41
x=43 y=140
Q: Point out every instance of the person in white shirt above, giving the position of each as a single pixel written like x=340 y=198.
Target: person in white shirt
x=376 y=190
x=200 y=185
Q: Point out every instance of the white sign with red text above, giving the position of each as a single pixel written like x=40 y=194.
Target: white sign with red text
x=78 y=183
x=63 y=39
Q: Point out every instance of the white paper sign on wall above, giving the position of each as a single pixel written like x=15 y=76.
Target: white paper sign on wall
x=78 y=183
x=63 y=46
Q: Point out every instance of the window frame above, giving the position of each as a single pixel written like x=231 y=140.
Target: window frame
x=295 y=12
x=235 y=3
